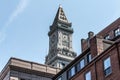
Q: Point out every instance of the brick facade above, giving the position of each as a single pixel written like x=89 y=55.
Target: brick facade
x=96 y=66
x=105 y=54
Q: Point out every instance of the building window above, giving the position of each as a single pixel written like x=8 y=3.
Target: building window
x=61 y=64
x=88 y=76
x=89 y=58
x=80 y=65
x=107 y=37
x=107 y=66
x=117 y=32
x=71 y=72
x=60 y=78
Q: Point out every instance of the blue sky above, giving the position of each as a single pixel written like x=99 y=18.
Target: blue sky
x=24 y=24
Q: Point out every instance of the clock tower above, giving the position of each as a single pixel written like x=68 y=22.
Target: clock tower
x=60 y=41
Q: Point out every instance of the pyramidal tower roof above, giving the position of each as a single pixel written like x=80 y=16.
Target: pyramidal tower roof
x=60 y=16
x=60 y=22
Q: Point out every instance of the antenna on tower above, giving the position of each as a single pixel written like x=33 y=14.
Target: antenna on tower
x=60 y=5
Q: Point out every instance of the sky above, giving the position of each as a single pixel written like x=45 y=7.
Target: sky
x=24 y=24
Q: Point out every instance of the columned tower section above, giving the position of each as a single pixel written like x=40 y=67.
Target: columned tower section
x=60 y=41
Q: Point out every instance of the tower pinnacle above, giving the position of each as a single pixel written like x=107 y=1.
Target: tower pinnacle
x=60 y=16
x=60 y=5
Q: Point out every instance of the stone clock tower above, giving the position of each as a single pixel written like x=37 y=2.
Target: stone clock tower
x=60 y=41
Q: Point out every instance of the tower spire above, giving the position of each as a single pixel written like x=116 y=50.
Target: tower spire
x=60 y=16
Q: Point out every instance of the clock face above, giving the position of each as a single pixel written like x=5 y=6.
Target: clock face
x=65 y=37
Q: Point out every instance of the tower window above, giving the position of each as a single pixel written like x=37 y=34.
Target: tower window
x=107 y=66
x=61 y=64
x=62 y=13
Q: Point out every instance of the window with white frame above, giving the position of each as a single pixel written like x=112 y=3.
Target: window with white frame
x=107 y=66
x=117 y=32
x=88 y=76
x=81 y=64
x=71 y=72
x=89 y=58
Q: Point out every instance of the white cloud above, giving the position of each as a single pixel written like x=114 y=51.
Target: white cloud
x=19 y=9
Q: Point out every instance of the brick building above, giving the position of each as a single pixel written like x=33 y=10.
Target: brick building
x=99 y=60
x=100 y=57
